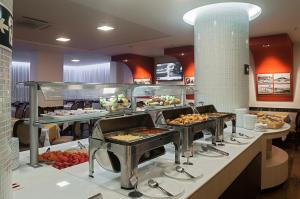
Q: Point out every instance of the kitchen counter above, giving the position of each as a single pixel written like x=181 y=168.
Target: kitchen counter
x=218 y=174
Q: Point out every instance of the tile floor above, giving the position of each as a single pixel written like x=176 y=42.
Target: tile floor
x=290 y=189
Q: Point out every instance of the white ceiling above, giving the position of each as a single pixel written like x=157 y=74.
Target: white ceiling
x=141 y=26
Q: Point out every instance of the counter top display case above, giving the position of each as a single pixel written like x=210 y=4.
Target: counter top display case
x=156 y=97
x=114 y=99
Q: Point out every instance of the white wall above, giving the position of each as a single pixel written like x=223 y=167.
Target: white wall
x=47 y=66
x=293 y=104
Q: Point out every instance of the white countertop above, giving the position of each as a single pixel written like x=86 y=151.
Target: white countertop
x=42 y=182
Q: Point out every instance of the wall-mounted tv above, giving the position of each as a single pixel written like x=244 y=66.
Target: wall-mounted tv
x=169 y=72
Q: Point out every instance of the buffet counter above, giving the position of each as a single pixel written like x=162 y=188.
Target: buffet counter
x=74 y=182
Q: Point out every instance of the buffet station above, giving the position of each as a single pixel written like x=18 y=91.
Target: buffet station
x=141 y=134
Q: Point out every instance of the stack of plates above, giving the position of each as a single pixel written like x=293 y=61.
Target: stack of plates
x=260 y=127
x=249 y=121
x=14 y=145
x=240 y=112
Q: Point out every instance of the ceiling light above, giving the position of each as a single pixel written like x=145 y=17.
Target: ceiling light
x=266 y=45
x=63 y=39
x=75 y=60
x=182 y=54
x=105 y=28
x=253 y=10
x=125 y=60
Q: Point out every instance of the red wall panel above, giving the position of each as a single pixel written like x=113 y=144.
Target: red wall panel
x=142 y=67
x=185 y=55
x=273 y=54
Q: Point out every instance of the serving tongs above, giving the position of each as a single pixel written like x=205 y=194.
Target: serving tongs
x=48 y=162
x=207 y=147
x=80 y=145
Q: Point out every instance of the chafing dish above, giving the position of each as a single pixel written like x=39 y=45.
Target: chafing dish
x=212 y=112
x=119 y=144
x=188 y=132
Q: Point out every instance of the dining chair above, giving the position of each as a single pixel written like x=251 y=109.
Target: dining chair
x=20 y=111
x=21 y=131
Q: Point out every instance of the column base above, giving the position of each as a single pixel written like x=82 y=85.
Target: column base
x=275 y=169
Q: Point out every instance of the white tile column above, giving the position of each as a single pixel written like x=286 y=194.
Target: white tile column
x=5 y=115
x=221 y=34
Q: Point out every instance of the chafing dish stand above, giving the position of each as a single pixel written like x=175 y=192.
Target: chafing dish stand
x=124 y=157
x=188 y=132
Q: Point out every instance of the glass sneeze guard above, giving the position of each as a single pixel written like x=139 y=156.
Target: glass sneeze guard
x=112 y=97
x=155 y=97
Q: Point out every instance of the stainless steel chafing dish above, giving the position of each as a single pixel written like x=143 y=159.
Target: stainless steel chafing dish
x=123 y=156
x=188 y=132
x=221 y=118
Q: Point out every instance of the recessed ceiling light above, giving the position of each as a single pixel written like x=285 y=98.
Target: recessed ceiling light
x=125 y=60
x=266 y=45
x=253 y=10
x=105 y=28
x=182 y=54
x=63 y=39
x=75 y=60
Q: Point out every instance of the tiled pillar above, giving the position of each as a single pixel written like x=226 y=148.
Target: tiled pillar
x=221 y=34
x=5 y=118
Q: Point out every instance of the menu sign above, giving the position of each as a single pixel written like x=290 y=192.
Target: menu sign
x=6 y=28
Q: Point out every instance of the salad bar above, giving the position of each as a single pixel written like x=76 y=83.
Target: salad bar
x=164 y=100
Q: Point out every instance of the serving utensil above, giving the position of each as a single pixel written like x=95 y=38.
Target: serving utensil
x=182 y=170
x=217 y=150
x=235 y=140
x=81 y=146
x=245 y=135
x=206 y=147
x=153 y=184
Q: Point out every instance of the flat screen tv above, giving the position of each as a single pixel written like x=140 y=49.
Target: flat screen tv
x=169 y=72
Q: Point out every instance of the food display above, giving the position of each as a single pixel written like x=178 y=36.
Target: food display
x=272 y=121
x=71 y=113
x=114 y=103
x=165 y=100
x=149 y=131
x=188 y=119
x=64 y=159
x=134 y=134
x=126 y=137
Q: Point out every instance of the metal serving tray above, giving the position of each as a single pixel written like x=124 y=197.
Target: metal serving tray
x=213 y=113
x=188 y=132
x=119 y=155
x=139 y=131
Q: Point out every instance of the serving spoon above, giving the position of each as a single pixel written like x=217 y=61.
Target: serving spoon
x=153 y=184
x=182 y=170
